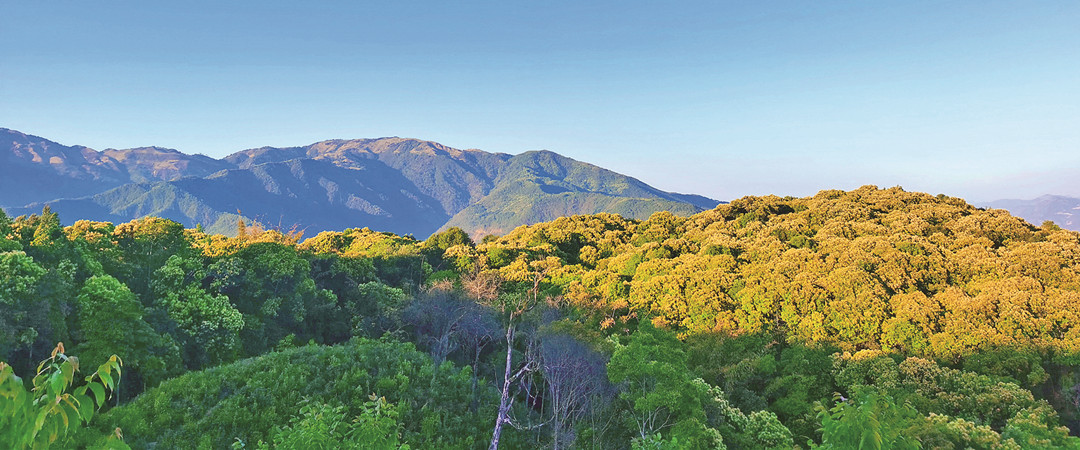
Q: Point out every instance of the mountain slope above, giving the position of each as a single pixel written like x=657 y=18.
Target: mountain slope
x=541 y=186
x=1063 y=211
x=307 y=194
x=34 y=169
x=456 y=178
x=146 y=164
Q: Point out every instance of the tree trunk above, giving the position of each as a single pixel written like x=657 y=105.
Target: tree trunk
x=475 y=379
x=504 y=400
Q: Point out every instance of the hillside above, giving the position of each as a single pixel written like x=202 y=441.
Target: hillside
x=405 y=186
x=456 y=178
x=930 y=276
x=927 y=318
x=541 y=186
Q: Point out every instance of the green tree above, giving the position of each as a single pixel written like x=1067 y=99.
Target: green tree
x=146 y=245
x=22 y=312
x=271 y=285
x=209 y=326
x=110 y=321
x=6 y=244
x=660 y=393
x=449 y=238
x=869 y=421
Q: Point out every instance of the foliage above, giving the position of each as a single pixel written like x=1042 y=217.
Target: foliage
x=658 y=388
x=208 y=325
x=929 y=276
x=930 y=388
x=110 y=319
x=323 y=427
x=55 y=405
x=944 y=325
x=213 y=407
x=870 y=421
x=20 y=308
x=271 y=286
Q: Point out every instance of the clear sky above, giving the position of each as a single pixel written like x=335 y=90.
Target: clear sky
x=979 y=99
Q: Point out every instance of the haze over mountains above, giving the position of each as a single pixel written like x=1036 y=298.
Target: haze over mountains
x=1063 y=211
x=388 y=184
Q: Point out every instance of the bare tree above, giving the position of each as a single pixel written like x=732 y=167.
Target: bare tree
x=575 y=376
x=601 y=414
x=477 y=332
x=514 y=307
x=445 y=322
x=482 y=286
x=437 y=317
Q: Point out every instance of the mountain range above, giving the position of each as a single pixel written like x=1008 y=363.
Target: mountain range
x=406 y=186
x=1063 y=211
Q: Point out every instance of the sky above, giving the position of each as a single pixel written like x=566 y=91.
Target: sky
x=977 y=99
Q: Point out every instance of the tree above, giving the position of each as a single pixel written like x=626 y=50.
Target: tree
x=209 y=325
x=271 y=285
x=657 y=387
x=6 y=244
x=443 y=323
x=54 y=406
x=147 y=244
x=382 y=313
x=111 y=322
x=346 y=277
x=575 y=376
x=21 y=310
x=436 y=245
x=868 y=421
x=759 y=429
x=514 y=306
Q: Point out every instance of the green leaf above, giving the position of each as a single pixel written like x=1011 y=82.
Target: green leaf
x=68 y=370
x=108 y=379
x=56 y=384
x=99 y=393
x=63 y=415
x=54 y=430
x=40 y=422
x=86 y=408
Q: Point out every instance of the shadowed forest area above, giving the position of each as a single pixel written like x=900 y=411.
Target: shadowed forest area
x=873 y=317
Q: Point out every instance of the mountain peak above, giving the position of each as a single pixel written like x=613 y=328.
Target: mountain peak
x=402 y=185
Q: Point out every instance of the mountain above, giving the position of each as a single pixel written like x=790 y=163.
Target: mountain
x=35 y=169
x=456 y=178
x=304 y=193
x=146 y=164
x=1063 y=211
x=407 y=186
x=492 y=193
x=540 y=186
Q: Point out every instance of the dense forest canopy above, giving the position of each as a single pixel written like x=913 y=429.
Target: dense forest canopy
x=882 y=316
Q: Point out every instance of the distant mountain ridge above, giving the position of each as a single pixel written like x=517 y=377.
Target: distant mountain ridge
x=34 y=169
x=1063 y=211
x=389 y=184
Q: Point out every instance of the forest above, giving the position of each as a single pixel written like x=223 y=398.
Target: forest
x=872 y=318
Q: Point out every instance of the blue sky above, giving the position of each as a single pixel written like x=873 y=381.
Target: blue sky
x=975 y=99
